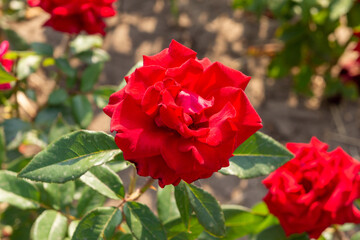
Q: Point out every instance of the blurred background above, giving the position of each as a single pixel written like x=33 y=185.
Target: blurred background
x=302 y=55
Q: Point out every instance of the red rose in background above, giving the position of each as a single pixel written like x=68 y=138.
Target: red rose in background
x=315 y=189
x=6 y=63
x=180 y=117
x=350 y=72
x=74 y=16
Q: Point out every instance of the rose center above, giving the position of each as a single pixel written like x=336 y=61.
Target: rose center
x=177 y=108
x=307 y=185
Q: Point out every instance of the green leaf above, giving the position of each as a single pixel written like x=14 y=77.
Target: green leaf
x=183 y=203
x=239 y=222
x=18 y=192
x=58 y=129
x=49 y=225
x=17 y=43
x=302 y=80
x=27 y=66
x=5 y=77
x=82 y=110
x=48 y=62
x=42 y=49
x=118 y=164
x=71 y=156
x=98 y=224
x=270 y=220
x=354 y=16
x=339 y=8
x=166 y=204
x=207 y=210
x=94 y=56
x=272 y=233
x=60 y=195
x=65 y=67
x=257 y=156
x=276 y=232
x=85 y=42
x=105 y=181
x=30 y=93
x=142 y=222
x=90 y=76
x=72 y=227
x=175 y=229
x=102 y=95
x=57 y=97
x=89 y=200
x=2 y=146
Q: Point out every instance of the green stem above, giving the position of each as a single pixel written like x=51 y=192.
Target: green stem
x=133 y=180
x=138 y=193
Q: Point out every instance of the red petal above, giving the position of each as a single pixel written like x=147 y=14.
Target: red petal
x=173 y=56
x=143 y=78
x=114 y=101
x=218 y=76
x=137 y=136
x=156 y=168
x=187 y=74
x=4 y=46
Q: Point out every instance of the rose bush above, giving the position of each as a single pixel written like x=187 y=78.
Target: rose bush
x=315 y=189
x=180 y=117
x=74 y=16
x=6 y=63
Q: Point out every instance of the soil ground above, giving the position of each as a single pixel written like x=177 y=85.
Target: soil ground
x=214 y=30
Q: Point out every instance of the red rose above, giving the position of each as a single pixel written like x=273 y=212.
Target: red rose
x=73 y=16
x=180 y=117
x=6 y=63
x=315 y=189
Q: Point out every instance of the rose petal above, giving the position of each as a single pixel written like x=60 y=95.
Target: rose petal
x=173 y=56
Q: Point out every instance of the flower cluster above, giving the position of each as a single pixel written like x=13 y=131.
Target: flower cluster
x=74 y=16
x=180 y=117
x=5 y=63
x=315 y=189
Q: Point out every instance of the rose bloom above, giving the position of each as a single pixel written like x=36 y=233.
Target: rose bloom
x=6 y=63
x=180 y=117
x=315 y=189
x=74 y=16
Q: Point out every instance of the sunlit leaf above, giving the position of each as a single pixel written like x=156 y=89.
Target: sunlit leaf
x=105 y=181
x=49 y=225
x=257 y=156
x=18 y=192
x=71 y=156
x=5 y=77
x=98 y=224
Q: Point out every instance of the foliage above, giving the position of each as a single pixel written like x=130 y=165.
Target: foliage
x=311 y=46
